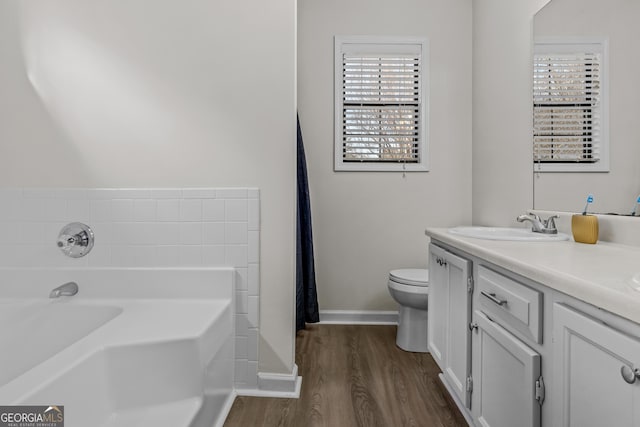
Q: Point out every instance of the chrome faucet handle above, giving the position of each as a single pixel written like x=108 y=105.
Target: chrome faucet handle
x=75 y=240
x=551 y=221
x=550 y=225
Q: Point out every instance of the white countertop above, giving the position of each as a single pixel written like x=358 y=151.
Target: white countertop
x=596 y=274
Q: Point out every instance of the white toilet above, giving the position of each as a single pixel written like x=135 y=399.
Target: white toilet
x=410 y=288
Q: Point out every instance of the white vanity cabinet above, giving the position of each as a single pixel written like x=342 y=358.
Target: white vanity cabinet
x=553 y=338
x=448 y=319
x=590 y=359
x=508 y=388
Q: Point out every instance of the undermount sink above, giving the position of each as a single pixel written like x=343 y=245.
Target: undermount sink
x=507 y=233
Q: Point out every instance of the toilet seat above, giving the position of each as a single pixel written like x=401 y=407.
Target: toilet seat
x=410 y=276
x=408 y=289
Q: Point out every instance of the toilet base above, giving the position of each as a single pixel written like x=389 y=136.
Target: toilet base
x=412 y=330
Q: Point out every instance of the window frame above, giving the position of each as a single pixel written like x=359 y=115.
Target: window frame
x=561 y=44
x=347 y=43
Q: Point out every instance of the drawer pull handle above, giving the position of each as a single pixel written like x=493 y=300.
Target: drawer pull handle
x=492 y=297
x=629 y=375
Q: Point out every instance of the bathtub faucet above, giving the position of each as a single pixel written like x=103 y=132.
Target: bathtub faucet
x=68 y=289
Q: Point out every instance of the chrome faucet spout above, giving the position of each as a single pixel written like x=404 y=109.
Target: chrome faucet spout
x=536 y=223
x=539 y=225
x=68 y=289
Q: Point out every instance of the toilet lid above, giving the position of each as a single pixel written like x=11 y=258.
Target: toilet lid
x=410 y=276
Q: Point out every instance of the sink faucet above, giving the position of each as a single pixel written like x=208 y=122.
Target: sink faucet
x=538 y=225
x=68 y=289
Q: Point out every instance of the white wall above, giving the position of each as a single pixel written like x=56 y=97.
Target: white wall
x=160 y=93
x=366 y=224
x=502 y=109
x=616 y=190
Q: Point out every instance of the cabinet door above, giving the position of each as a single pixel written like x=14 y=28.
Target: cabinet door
x=449 y=315
x=438 y=306
x=589 y=356
x=505 y=371
x=458 y=361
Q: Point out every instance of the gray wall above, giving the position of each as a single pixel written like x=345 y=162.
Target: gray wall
x=366 y=224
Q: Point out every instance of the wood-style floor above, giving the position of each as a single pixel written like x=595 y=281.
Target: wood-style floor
x=354 y=376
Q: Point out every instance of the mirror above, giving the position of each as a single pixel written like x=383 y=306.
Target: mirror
x=615 y=191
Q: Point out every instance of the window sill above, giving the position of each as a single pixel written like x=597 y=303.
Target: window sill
x=385 y=167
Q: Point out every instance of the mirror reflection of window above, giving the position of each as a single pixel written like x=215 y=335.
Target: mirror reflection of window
x=617 y=188
x=569 y=106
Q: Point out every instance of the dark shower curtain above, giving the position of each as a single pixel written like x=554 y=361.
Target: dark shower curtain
x=306 y=295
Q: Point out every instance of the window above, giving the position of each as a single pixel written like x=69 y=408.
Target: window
x=380 y=104
x=570 y=106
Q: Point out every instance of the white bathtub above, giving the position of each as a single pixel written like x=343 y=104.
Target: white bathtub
x=134 y=347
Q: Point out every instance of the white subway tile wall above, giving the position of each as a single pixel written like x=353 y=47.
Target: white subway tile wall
x=159 y=227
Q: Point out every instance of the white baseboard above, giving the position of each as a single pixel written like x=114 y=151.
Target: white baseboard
x=275 y=385
x=358 y=317
x=226 y=409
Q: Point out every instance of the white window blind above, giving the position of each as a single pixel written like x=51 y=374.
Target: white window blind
x=379 y=105
x=568 y=106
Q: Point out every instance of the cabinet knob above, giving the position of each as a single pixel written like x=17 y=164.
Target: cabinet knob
x=629 y=375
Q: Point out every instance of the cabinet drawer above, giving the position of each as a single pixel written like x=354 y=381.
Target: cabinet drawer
x=511 y=304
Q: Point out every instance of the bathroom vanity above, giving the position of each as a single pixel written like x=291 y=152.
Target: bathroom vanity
x=536 y=333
